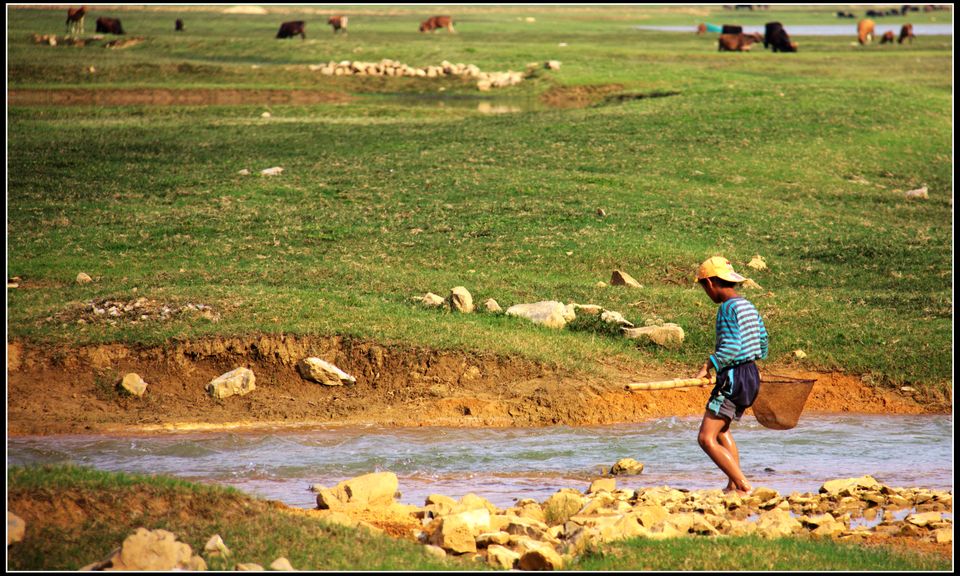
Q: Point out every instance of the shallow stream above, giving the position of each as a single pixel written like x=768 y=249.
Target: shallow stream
x=505 y=464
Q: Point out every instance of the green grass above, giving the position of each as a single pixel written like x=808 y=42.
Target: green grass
x=752 y=554
x=116 y=504
x=801 y=158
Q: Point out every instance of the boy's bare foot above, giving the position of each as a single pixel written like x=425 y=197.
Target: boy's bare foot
x=729 y=490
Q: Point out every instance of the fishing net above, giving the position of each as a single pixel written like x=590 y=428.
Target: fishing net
x=780 y=401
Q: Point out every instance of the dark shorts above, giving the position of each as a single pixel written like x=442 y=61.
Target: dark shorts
x=735 y=391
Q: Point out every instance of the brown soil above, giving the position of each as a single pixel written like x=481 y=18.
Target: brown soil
x=169 y=97
x=54 y=390
x=578 y=96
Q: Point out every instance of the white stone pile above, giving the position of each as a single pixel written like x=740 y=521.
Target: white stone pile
x=387 y=67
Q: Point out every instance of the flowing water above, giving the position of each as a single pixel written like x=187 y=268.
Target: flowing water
x=505 y=464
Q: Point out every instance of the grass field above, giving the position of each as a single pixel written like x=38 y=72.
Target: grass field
x=256 y=532
x=801 y=158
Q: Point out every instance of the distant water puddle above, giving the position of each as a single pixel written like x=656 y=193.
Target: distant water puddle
x=504 y=464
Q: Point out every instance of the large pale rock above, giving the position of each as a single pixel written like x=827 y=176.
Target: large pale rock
x=527 y=527
x=836 y=487
x=758 y=263
x=282 y=564
x=542 y=558
x=235 y=382
x=627 y=466
x=492 y=306
x=612 y=317
x=471 y=501
x=459 y=300
x=375 y=489
x=501 y=557
x=551 y=313
x=823 y=525
x=440 y=505
x=477 y=519
x=16 y=528
x=487 y=539
x=84 y=278
x=248 y=567
x=134 y=384
x=776 y=523
x=649 y=515
x=215 y=546
x=559 y=507
x=154 y=550
x=608 y=484
x=430 y=299
x=323 y=372
x=621 y=278
x=454 y=535
x=924 y=518
x=669 y=334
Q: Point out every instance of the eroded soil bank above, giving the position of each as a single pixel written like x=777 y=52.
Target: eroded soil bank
x=73 y=390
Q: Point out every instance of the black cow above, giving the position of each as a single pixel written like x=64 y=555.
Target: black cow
x=731 y=29
x=109 y=26
x=178 y=25
x=775 y=36
x=291 y=29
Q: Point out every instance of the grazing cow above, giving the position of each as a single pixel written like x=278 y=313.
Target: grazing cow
x=845 y=15
x=737 y=42
x=865 y=31
x=109 y=26
x=775 y=36
x=888 y=37
x=338 y=23
x=874 y=14
x=731 y=29
x=434 y=23
x=75 y=20
x=178 y=25
x=291 y=29
x=906 y=33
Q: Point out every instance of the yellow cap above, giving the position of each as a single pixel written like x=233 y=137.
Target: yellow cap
x=720 y=267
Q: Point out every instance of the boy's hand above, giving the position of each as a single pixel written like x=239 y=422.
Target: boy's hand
x=704 y=371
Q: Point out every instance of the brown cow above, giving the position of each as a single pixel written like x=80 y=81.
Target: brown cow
x=888 y=37
x=865 y=31
x=737 y=42
x=178 y=25
x=109 y=26
x=434 y=23
x=291 y=29
x=906 y=33
x=338 y=23
x=75 y=20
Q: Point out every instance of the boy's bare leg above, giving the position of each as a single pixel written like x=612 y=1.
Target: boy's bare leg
x=725 y=438
x=711 y=429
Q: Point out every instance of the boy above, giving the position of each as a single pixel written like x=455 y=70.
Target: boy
x=741 y=339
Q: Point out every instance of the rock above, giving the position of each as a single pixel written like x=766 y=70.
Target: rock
x=943 y=535
x=798 y=353
x=758 y=263
x=650 y=515
x=487 y=539
x=236 y=382
x=611 y=317
x=669 y=334
x=459 y=300
x=244 y=172
x=375 y=489
x=751 y=285
x=265 y=115
x=154 y=550
x=823 y=525
x=777 y=523
x=559 y=507
x=492 y=306
x=134 y=384
x=608 y=484
x=282 y=564
x=592 y=309
x=835 y=487
x=551 y=314
x=435 y=551
x=16 y=528
x=923 y=518
x=552 y=64
x=471 y=501
x=275 y=171
x=470 y=374
x=541 y=558
x=763 y=494
x=430 y=299
x=621 y=278
x=323 y=372
x=918 y=193
x=216 y=547
x=248 y=567
x=440 y=504
x=501 y=557
x=627 y=466
x=84 y=278
x=454 y=535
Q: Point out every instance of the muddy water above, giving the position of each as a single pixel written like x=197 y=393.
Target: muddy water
x=510 y=463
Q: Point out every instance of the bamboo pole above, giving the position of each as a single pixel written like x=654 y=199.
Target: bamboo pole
x=667 y=384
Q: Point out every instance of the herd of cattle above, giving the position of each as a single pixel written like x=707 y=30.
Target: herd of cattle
x=733 y=39
x=75 y=18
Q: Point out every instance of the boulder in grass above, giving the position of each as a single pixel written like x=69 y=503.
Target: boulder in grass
x=551 y=314
x=323 y=372
x=621 y=278
x=237 y=382
x=84 y=278
x=459 y=300
x=492 y=306
x=667 y=335
x=430 y=299
x=152 y=550
x=758 y=263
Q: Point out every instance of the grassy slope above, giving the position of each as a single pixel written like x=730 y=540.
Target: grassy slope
x=800 y=158
x=254 y=531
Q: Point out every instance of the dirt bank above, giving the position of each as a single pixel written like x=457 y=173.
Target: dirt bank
x=73 y=390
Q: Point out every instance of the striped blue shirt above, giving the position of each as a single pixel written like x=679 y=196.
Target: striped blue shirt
x=741 y=335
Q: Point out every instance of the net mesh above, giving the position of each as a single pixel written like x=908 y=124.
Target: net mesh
x=780 y=401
